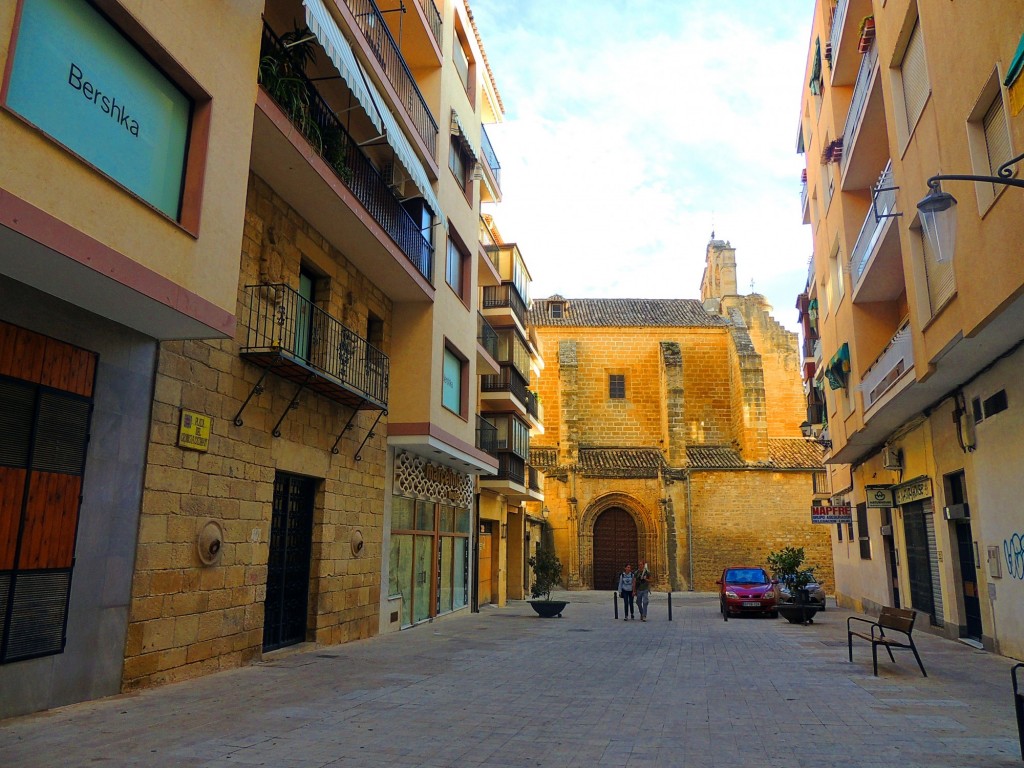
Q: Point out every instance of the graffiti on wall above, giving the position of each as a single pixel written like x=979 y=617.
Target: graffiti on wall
x=1013 y=550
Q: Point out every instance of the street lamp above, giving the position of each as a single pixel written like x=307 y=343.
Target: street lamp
x=938 y=208
x=807 y=430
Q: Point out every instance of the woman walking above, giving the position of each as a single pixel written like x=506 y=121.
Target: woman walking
x=627 y=586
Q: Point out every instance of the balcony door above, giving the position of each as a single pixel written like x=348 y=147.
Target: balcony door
x=304 y=317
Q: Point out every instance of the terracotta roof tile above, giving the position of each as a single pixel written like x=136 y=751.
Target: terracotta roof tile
x=543 y=458
x=713 y=457
x=795 y=453
x=672 y=313
x=620 y=462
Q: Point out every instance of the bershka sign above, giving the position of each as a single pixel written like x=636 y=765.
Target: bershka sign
x=827 y=515
x=79 y=80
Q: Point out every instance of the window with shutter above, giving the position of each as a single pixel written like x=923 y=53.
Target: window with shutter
x=914 y=76
x=997 y=138
x=939 y=274
x=45 y=412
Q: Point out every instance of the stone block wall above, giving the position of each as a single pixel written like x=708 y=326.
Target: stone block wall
x=187 y=619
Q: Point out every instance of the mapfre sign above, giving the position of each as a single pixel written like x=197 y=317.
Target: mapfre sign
x=828 y=515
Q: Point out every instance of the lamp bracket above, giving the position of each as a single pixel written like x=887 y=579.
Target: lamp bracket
x=1004 y=175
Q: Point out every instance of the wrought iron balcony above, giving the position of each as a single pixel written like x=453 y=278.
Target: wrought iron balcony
x=505 y=296
x=318 y=123
x=487 y=336
x=386 y=50
x=490 y=156
x=883 y=206
x=292 y=337
x=486 y=436
x=861 y=90
x=509 y=380
x=433 y=18
x=895 y=360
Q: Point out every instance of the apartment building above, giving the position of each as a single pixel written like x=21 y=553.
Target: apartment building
x=672 y=435
x=123 y=169
x=912 y=346
x=510 y=501
x=280 y=362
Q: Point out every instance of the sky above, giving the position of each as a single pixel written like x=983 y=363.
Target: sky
x=634 y=129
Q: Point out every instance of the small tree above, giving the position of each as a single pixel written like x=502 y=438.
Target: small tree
x=547 y=572
x=785 y=566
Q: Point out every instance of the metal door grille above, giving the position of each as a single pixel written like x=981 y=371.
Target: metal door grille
x=288 y=564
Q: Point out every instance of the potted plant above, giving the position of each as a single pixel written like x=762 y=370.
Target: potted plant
x=867 y=34
x=547 y=574
x=786 y=565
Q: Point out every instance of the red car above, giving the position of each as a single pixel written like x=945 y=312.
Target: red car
x=747 y=589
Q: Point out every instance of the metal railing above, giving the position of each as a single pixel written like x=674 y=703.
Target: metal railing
x=861 y=89
x=895 y=360
x=532 y=404
x=318 y=123
x=511 y=467
x=490 y=156
x=486 y=436
x=808 y=345
x=803 y=195
x=486 y=336
x=386 y=50
x=279 y=318
x=509 y=380
x=871 y=229
x=534 y=479
x=505 y=295
x=433 y=18
x=835 y=35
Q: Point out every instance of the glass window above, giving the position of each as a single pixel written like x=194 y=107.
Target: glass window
x=424 y=516
x=462 y=520
x=451 y=390
x=444 y=591
x=447 y=519
x=459 y=162
x=455 y=268
x=400 y=573
x=401 y=513
x=422 y=572
x=461 y=62
x=460 y=595
x=617 y=386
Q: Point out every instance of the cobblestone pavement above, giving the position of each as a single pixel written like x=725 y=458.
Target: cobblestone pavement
x=506 y=688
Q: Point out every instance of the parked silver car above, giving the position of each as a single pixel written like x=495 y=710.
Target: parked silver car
x=815 y=592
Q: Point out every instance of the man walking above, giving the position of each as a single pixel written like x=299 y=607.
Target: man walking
x=643 y=589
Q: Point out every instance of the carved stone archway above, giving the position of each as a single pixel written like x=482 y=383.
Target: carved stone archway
x=646 y=528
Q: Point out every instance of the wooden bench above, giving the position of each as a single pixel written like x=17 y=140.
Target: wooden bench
x=899 y=620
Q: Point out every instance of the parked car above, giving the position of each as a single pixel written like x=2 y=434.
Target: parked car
x=747 y=589
x=815 y=594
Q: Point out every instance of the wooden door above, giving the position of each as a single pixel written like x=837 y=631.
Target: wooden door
x=483 y=573
x=615 y=544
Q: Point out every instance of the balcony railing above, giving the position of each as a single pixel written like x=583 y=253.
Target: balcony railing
x=532 y=404
x=509 y=380
x=803 y=195
x=895 y=360
x=511 y=467
x=486 y=436
x=486 y=336
x=505 y=295
x=808 y=345
x=871 y=229
x=838 y=20
x=491 y=157
x=433 y=18
x=288 y=333
x=534 y=479
x=861 y=89
x=388 y=54
x=317 y=122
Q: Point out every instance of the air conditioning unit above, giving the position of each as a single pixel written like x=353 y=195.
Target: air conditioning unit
x=891 y=458
x=956 y=512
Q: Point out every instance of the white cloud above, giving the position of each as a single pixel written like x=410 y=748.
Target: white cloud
x=634 y=128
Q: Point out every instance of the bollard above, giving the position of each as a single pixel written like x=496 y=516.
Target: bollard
x=670 y=606
x=1018 y=702
x=615 y=602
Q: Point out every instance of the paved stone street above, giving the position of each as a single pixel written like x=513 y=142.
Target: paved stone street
x=506 y=688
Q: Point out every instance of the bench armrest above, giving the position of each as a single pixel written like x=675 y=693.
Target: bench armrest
x=870 y=623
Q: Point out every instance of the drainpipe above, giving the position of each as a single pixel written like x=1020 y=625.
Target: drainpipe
x=474 y=586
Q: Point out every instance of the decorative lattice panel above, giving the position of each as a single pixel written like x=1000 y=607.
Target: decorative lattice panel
x=422 y=479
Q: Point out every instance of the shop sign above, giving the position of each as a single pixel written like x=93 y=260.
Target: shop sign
x=878 y=496
x=827 y=515
x=194 y=431
x=419 y=478
x=913 y=490
x=78 y=79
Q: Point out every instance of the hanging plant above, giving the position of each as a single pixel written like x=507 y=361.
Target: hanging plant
x=867 y=34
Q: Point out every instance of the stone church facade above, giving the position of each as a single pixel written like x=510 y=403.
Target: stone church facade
x=672 y=435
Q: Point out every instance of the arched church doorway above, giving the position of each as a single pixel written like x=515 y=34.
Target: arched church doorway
x=615 y=544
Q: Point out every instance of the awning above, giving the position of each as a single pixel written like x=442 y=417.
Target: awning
x=460 y=133
x=838 y=369
x=322 y=24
